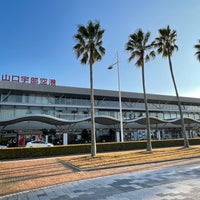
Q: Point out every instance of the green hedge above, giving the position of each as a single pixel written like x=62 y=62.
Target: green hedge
x=20 y=152
x=4 y=141
x=25 y=152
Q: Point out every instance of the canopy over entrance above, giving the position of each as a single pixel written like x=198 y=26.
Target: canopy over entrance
x=104 y=121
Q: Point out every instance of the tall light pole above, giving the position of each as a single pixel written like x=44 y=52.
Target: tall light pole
x=120 y=98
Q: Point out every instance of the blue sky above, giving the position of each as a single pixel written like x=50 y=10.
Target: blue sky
x=36 y=40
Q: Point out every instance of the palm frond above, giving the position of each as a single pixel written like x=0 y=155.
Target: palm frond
x=139 y=48
x=84 y=58
x=147 y=58
x=152 y=54
x=197 y=54
x=82 y=31
x=133 y=55
x=146 y=38
x=166 y=42
x=89 y=42
x=139 y=62
x=197 y=47
x=102 y=50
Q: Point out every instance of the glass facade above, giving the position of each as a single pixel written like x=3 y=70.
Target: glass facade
x=76 y=107
x=67 y=103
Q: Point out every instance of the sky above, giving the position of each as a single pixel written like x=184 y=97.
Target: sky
x=36 y=40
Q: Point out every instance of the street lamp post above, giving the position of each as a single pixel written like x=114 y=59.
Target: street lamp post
x=120 y=99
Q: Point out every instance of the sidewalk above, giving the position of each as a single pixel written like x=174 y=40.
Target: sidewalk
x=161 y=181
x=23 y=175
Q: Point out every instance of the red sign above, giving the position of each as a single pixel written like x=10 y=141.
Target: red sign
x=21 y=140
x=38 y=137
x=26 y=79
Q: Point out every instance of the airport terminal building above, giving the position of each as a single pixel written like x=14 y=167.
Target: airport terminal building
x=33 y=105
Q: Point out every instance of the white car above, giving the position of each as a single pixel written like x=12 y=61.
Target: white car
x=3 y=146
x=38 y=143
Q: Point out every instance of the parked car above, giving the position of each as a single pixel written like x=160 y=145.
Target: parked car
x=3 y=146
x=38 y=143
x=12 y=142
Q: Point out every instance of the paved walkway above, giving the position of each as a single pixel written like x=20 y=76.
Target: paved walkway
x=172 y=183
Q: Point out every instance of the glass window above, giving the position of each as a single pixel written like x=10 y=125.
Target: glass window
x=191 y=115
x=167 y=116
x=173 y=115
x=7 y=112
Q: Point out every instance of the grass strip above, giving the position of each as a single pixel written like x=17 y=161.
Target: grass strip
x=115 y=159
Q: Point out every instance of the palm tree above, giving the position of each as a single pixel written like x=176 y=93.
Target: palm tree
x=138 y=47
x=197 y=47
x=89 y=48
x=165 y=44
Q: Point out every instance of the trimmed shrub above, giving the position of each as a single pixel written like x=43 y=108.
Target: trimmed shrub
x=22 y=152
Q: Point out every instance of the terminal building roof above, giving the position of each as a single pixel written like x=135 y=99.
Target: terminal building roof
x=37 y=88
x=99 y=93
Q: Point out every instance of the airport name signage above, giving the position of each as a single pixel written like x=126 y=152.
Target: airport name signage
x=26 y=79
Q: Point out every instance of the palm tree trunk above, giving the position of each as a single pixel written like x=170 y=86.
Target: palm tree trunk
x=186 y=142
x=149 y=146
x=93 y=134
